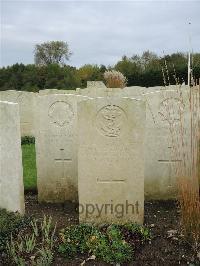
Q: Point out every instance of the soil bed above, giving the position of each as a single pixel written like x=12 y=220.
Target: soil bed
x=160 y=216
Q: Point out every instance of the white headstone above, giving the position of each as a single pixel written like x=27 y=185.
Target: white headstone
x=11 y=173
x=94 y=92
x=95 y=84
x=161 y=88
x=167 y=112
x=56 y=91
x=56 y=147
x=111 y=160
x=26 y=108
x=133 y=91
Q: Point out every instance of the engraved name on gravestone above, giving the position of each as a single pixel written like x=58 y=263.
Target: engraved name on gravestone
x=166 y=113
x=11 y=172
x=56 y=148
x=110 y=160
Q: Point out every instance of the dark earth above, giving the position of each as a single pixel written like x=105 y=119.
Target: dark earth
x=162 y=217
x=165 y=248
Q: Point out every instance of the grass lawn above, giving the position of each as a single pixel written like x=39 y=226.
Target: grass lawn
x=29 y=166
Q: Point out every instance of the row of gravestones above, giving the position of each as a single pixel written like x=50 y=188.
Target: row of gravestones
x=94 y=89
x=115 y=143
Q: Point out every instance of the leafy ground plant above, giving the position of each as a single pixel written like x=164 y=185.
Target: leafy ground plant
x=10 y=223
x=111 y=244
x=35 y=246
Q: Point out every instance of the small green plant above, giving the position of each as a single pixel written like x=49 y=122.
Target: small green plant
x=74 y=239
x=110 y=244
x=45 y=257
x=10 y=223
x=143 y=232
x=34 y=247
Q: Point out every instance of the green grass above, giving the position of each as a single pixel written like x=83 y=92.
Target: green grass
x=29 y=166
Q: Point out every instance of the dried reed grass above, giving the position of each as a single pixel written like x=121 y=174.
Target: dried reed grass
x=186 y=146
x=115 y=79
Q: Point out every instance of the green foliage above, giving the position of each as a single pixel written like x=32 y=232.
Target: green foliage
x=34 y=78
x=74 y=239
x=27 y=140
x=29 y=166
x=111 y=244
x=53 y=52
x=90 y=72
x=34 y=247
x=10 y=223
x=142 y=231
x=61 y=77
x=144 y=70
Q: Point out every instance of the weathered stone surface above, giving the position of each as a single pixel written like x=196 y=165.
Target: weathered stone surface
x=94 y=89
x=55 y=91
x=26 y=108
x=95 y=84
x=94 y=92
x=133 y=91
x=161 y=88
x=56 y=147
x=111 y=160
x=11 y=174
x=167 y=114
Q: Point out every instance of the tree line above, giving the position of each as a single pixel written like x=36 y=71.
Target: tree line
x=145 y=70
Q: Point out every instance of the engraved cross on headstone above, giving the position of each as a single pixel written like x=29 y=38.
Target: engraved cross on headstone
x=170 y=161
x=62 y=160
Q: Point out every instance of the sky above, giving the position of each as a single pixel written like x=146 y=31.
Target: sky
x=98 y=32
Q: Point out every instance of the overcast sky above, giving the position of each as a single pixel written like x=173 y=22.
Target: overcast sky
x=98 y=32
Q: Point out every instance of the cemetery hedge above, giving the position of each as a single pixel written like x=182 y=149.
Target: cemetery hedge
x=27 y=140
x=144 y=70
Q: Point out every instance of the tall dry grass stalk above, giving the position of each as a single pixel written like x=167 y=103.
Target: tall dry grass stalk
x=115 y=79
x=185 y=137
x=188 y=172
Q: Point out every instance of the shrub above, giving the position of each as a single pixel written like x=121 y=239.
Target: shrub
x=74 y=239
x=115 y=79
x=27 y=140
x=112 y=244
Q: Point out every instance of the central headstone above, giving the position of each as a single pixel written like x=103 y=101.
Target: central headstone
x=111 y=160
x=56 y=148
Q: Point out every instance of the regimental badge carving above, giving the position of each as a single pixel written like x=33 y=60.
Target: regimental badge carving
x=110 y=120
x=61 y=113
x=20 y=97
x=171 y=110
